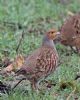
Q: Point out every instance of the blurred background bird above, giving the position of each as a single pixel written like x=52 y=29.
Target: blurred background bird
x=70 y=32
x=42 y=61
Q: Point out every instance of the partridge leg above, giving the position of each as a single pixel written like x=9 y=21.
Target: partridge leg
x=73 y=49
x=78 y=50
x=33 y=84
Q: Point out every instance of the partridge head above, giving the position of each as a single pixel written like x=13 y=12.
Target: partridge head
x=42 y=61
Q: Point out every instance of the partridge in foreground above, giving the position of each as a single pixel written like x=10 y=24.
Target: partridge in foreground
x=42 y=61
x=70 y=32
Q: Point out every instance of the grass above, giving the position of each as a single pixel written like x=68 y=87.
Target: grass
x=38 y=16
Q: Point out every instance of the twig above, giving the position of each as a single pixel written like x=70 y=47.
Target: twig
x=71 y=94
x=20 y=41
x=18 y=83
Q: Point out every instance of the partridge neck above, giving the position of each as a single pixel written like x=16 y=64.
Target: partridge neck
x=48 y=42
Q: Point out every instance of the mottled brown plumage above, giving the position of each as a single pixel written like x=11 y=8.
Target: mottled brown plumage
x=70 y=32
x=42 y=61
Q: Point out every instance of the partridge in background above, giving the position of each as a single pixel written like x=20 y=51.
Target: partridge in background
x=70 y=32
x=42 y=61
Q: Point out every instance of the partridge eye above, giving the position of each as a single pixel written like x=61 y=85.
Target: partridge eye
x=52 y=32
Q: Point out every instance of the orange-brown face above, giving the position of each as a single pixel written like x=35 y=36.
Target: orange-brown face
x=52 y=34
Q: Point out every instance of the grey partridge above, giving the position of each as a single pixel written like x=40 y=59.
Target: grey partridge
x=42 y=61
x=70 y=32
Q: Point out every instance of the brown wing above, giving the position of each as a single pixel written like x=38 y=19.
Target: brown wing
x=47 y=60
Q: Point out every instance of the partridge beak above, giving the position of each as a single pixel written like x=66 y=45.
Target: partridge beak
x=57 y=33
